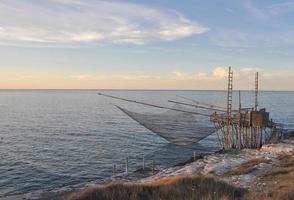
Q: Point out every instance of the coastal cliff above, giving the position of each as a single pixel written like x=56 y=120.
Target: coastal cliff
x=266 y=173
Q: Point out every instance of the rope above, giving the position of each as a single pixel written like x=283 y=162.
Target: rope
x=153 y=105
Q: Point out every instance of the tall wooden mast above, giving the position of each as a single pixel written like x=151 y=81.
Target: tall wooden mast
x=256 y=91
x=229 y=134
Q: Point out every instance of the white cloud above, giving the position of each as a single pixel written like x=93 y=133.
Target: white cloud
x=77 y=21
x=233 y=39
x=216 y=74
x=281 y=8
x=136 y=77
x=93 y=77
x=220 y=72
x=267 y=12
x=178 y=75
x=170 y=33
x=249 y=69
x=130 y=41
x=240 y=40
x=82 y=77
x=87 y=37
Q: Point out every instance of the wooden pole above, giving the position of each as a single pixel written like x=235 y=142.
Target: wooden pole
x=261 y=139
x=153 y=167
x=240 y=123
x=256 y=91
x=143 y=163
x=127 y=165
x=247 y=137
x=114 y=170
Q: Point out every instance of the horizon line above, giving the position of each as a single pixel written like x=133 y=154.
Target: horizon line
x=130 y=89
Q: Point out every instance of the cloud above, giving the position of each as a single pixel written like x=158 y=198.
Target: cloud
x=215 y=78
x=88 y=77
x=216 y=74
x=233 y=39
x=267 y=12
x=87 y=37
x=265 y=15
x=249 y=69
x=220 y=72
x=244 y=78
x=178 y=75
x=82 y=77
x=77 y=21
x=242 y=40
x=281 y=8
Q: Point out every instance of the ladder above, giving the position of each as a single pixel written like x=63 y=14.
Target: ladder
x=228 y=136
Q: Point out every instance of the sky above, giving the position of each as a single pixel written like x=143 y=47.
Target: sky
x=146 y=44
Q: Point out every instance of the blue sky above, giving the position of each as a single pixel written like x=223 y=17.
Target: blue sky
x=154 y=44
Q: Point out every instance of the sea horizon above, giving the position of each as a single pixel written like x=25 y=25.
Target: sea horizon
x=127 y=89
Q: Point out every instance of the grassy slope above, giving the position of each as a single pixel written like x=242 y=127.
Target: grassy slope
x=170 y=188
x=245 y=168
x=278 y=182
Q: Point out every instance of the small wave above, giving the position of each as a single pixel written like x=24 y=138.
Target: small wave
x=42 y=194
x=80 y=134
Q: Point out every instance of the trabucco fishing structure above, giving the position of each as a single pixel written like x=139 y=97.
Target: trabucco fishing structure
x=236 y=128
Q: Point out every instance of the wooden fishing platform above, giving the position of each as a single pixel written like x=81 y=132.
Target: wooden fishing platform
x=236 y=128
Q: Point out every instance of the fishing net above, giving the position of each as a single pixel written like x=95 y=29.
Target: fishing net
x=175 y=127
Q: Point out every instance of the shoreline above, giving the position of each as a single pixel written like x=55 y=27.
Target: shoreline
x=244 y=169
x=63 y=192
x=216 y=165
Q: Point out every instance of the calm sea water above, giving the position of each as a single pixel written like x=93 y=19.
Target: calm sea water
x=51 y=139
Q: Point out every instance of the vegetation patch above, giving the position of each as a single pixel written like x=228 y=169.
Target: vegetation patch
x=188 y=188
x=278 y=182
x=246 y=167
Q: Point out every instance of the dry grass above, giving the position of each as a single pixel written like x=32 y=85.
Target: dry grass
x=246 y=167
x=178 y=188
x=279 y=181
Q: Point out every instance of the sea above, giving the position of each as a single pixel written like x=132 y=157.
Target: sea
x=67 y=139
